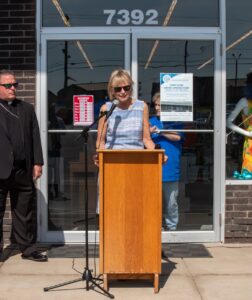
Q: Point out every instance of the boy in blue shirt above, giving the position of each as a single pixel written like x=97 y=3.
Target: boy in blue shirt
x=171 y=142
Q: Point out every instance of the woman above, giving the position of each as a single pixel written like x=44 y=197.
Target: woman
x=128 y=125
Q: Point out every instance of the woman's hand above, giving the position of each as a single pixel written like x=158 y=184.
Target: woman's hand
x=165 y=159
x=96 y=159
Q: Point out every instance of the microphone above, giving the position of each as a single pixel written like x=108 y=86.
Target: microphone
x=114 y=105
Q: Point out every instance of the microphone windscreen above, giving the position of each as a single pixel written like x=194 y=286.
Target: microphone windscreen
x=115 y=102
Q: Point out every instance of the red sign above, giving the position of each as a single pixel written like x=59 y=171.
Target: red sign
x=83 y=110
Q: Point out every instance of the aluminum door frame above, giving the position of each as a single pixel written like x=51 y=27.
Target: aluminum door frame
x=44 y=235
x=131 y=36
x=211 y=34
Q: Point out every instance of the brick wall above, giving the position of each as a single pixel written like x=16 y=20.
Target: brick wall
x=238 y=214
x=18 y=53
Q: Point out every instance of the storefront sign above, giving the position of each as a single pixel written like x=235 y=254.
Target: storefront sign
x=131 y=17
x=83 y=110
x=176 y=96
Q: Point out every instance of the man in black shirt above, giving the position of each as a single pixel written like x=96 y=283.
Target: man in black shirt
x=21 y=163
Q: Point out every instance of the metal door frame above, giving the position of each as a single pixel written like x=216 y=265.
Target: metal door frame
x=214 y=35
x=131 y=36
x=50 y=35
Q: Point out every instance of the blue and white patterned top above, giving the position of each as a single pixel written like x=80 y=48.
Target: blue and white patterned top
x=125 y=127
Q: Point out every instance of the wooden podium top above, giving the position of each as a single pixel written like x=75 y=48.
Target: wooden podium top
x=130 y=150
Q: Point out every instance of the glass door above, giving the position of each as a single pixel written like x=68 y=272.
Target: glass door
x=80 y=64
x=72 y=64
x=182 y=51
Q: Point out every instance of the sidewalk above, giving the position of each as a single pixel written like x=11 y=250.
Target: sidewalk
x=192 y=272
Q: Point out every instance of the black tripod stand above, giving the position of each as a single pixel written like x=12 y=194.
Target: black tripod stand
x=87 y=274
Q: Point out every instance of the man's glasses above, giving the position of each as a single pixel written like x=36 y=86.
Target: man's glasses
x=118 y=89
x=9 y=85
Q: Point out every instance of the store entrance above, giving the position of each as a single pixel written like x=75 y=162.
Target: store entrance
x=80 y=64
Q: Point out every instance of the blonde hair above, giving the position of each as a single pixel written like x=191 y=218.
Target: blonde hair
x=156 y=97
x=117 y=77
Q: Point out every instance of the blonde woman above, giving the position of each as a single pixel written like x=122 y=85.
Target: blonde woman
x=128 y=125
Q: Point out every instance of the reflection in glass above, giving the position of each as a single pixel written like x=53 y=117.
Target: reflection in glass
x=69 y=74
x=239 y=61
x=170 y=58
x=66 y=208
x=117 y=13
x=196 y=183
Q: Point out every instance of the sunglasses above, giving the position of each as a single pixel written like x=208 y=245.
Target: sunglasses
x=10 y=85
x=118 y=89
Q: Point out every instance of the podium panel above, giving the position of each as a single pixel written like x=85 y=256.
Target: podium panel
x=130 y=213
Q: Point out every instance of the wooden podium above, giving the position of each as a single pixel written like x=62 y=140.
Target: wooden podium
x=130 y=214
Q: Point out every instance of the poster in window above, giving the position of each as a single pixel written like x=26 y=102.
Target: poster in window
x=176 y=96
x=83 y=110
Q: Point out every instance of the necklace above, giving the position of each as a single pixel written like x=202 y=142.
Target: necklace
x=9 y=111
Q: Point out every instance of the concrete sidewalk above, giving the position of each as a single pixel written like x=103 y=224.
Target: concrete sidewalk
x=192 y=272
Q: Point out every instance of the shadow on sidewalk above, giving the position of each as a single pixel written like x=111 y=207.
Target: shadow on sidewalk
x=13 y=249
x=9 y=251
x=185 y=250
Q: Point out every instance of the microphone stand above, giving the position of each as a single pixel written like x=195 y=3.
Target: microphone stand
x=87 y=274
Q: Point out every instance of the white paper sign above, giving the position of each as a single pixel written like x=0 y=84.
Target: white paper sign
x=176 y=96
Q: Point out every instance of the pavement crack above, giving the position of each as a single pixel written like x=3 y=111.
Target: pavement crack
x=193 y=279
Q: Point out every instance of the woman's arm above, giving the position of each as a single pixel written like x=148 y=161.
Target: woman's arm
x=102 y=130
x=148 y=143
x=241 y=105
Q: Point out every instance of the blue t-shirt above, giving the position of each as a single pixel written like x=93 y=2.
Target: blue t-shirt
x=171 y=169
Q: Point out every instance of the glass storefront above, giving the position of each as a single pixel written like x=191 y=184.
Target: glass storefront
x=196 y=182
x=78 y=53
x=68 y=74
x=58 y=13
x=65 y=154
x=239 y=64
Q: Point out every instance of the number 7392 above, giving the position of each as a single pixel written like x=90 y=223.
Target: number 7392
x=135 y=17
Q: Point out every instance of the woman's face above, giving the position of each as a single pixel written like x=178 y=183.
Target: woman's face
x=122 y=90
x=157 y=106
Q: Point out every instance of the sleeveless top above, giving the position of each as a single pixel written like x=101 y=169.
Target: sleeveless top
x=125 y=127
